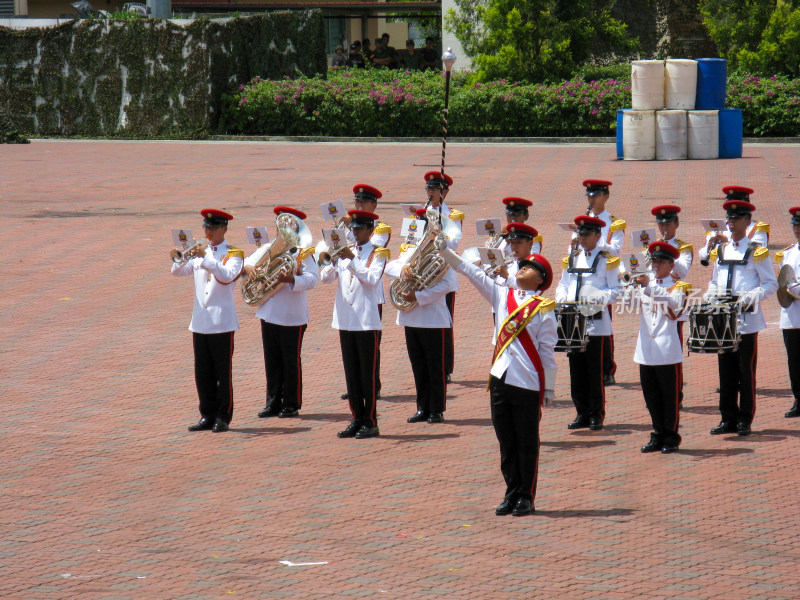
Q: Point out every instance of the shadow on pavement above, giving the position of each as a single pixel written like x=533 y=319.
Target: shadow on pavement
x=420 y=437
x=569 y=514
x=470 y=422
x=715 y=452
x=269 y=430
x=394 y=399
x=579 y=444
x=700 y=410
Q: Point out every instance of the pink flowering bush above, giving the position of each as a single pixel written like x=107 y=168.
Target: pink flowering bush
x=770 y=105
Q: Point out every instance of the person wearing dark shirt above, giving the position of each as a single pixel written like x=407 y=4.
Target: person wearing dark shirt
x=411 y=58
x=429 y=58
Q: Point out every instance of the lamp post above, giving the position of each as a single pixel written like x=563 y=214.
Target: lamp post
x=448 y=59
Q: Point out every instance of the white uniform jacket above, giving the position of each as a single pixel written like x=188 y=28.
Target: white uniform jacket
x=431 y=308
x=790 y=317
x=684 y=262
x=757 y=232
x=380 y=239
x=289 y=305
x=214 y=276
x=359 y=279
x=514 y=361
x=602 y=286
x=659 y=304
x=753 y=281
x=612 y=235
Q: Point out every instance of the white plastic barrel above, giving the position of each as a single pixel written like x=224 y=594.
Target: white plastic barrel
x=647 y=84
x=680 y=84
x=639 y=134
x=671 y=135
x=703 y=133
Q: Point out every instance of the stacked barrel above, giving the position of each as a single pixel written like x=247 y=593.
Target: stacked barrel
x=678 y=112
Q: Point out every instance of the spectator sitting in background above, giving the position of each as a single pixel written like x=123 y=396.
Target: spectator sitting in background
x=410 y=58
x=379 y=57
x=364 y=48
x=430 y=60
x=355 y=59
x=389 y=50
x=339 y=59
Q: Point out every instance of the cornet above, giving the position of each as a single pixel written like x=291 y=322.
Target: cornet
x=180 y=257
x=326 y=255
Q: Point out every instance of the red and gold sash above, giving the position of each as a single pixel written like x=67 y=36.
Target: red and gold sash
x=514 y=328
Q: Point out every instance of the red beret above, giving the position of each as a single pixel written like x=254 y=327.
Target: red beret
x=514 y=201
x=590 y=183
x=660 y=249
x=584 y=222
x=362 y=190
x=521 y=230
x=216 y=217
x=292 y=211
x=539 y=262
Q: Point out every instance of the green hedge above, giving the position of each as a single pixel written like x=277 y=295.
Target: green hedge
x=147 y=77
x=376 y=102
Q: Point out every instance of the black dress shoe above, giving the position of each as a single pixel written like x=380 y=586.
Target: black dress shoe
x=505 y=508
x=350 y=430
x=743 y=428
x=595 y=424
x=345 y=396
x=669 y=448
x=448 y=379
x=418 y=417
x=202 y=425
x=719 y=390
x=609 y=380
x=793 y=412
x=579 y=423
x=219 y=426
x=270 y=411
x=436 y=418
x=367 y=432
x=724 y=427
x=651 y=446
x=288 y=412
x=522 y=507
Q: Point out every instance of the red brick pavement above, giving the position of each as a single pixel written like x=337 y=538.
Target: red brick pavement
x=106 y=495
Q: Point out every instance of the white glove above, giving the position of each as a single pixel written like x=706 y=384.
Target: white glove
x=547 y=400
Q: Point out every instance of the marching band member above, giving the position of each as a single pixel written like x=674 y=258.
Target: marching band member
x=522 y=375
x=425 y=324
x=790 y=317
x=742 y=272
x=284 y=319
x=601 y=271
x=756 y=230
x=214 y=320
x=356 y=314
x=521 y=240
x=517 y=212
x=660 y=299
x=612 y=235
x=365 y=197
x=437 y=186
x=668 y=222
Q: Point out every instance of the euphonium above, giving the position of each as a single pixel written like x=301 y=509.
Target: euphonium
x=426 y=264
x=182 y=256
x=276 y=259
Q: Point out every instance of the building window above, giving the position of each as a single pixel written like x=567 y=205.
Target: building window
x=335 y=33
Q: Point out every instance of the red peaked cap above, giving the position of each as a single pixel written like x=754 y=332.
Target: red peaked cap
x=795 y=212
x=512 y=202
x=362 y=217
x=663 y=250
x=214 y=216
x=421 y=213
x=737 y=192
x=521 y=230
x=738 y=208
x=292 y=211
x=362 y=190
x=596 y=183
x=437 y=177
x=584 y=222
x=539 y=262
x=666 y=213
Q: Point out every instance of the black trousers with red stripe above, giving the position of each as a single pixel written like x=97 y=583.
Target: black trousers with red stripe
x=791 y=339
x=426 y=348
x=737 y=381
x=360 y=358
x=515 y=415
x=282 y=347
x=661 y=389
x=449 y=348
x=213 y=359
x=586 y=379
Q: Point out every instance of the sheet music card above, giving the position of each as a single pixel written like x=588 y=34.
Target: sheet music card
x=414 y=228
x=257 y=235
x=488 y=226
x=182 y=237
x=332 y=211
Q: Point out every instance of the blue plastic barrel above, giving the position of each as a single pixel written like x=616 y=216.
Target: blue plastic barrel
x=712 y=82
x=730 y=133
x=620 y=147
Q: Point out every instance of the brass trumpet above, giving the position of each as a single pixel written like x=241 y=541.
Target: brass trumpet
x=188 y=252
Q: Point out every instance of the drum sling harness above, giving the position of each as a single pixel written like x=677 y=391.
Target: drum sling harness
x=592 y=270
x=751 y=247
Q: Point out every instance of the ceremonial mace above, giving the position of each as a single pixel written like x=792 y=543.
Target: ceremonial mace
x=448 y=59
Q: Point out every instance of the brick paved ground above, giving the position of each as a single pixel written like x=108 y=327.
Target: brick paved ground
x=106 y=495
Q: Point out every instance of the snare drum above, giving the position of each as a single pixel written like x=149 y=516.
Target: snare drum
x=713 y=328
x=571 y=329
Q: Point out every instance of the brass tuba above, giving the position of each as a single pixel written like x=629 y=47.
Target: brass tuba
x=276 y=259
x=427 y=266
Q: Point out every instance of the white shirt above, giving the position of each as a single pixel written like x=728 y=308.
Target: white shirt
x=684 y=262
x=759 y=237
x=514 y=361
x=754 y=280
x=658 y=342
x=378 y=240
x=214 y=306
x=790 y=317
x=430 y=311
x=356 y=304
x=288 y=306
x=605 y=284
